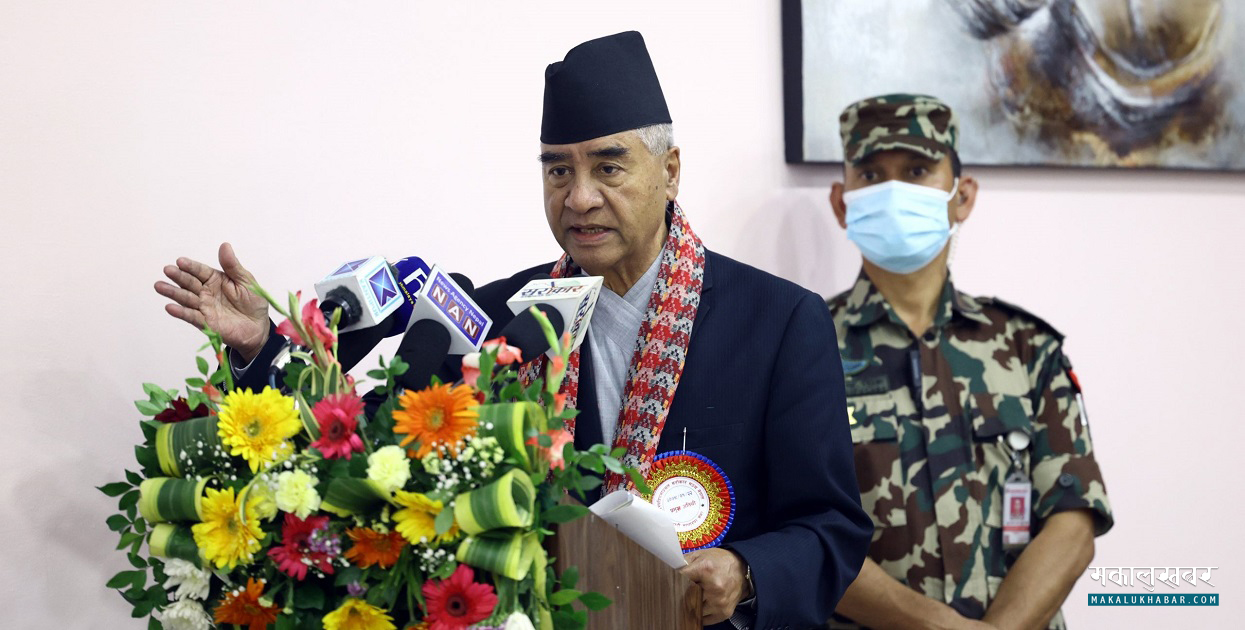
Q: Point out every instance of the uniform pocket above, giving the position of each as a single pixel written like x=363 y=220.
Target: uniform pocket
x=875 y=445
x=994 y=418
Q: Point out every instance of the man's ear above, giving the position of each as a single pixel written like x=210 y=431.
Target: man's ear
x=837 y=204
x=965 y=199
x=672 y=173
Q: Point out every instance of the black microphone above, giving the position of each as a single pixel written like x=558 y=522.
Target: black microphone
x=524 y=331
x=424 y=348
x=355 y=345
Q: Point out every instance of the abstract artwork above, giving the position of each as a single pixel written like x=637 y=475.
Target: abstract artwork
x=1099 y=83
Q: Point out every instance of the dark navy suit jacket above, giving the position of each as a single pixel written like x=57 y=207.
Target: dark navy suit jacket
x=762 y=396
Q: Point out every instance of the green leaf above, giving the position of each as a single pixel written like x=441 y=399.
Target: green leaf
x=195 y=398
x=117 y=522
x=564 y=513
x=570 y=577
x=156 y=393
x=592 y=461
x=149 y=429
x=154 y=624
x=133 y=579
x=115 y=489
x=613 y=465
x=640 y=482
x=195 y=382
x=146 y=457
x=286 y=622
x=148 y=408
x=348 y=575
x=379 y=375
x=129 y=500
x=133 y=477
x=567 y=619
x=588 y=483
x=444 y=521
x=309 y=596
x=595 y=601
x=564 y=597
x=203 y=365
x=128 y=539
x=137 y=561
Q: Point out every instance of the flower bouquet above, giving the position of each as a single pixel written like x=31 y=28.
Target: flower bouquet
x=311 y=506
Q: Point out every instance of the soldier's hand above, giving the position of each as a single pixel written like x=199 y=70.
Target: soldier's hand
x=973 y=624
x=218 y=299
x=720 y=574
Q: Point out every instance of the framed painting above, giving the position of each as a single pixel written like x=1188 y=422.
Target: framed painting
x=1088 y=83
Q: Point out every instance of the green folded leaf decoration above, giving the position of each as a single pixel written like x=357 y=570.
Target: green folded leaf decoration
x=167 y=499
x=506 y=502
x=174 y=541
x=511 y=424
x=347 y=496
x=186 y=446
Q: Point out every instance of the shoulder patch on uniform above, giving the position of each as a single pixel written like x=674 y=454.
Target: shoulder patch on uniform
x=1012 y=308
x=854 y=366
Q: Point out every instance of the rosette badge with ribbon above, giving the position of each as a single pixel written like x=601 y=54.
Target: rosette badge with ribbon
x=696 y=493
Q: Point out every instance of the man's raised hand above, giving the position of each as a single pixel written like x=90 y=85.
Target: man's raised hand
x=220 y=300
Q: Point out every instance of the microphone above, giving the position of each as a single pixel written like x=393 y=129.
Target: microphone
x=525 y=333
x=574 y=299
x=445 y=301
x=365 y=290
x=355 y=344
x=423 y=348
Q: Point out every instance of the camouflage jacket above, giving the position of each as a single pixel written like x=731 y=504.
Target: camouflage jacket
x=931 y=467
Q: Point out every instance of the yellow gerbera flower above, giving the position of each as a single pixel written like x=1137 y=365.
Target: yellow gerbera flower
x=356 y=614
x=439 y=417
x=417 y=518
x=228 y=536
x=258 y=426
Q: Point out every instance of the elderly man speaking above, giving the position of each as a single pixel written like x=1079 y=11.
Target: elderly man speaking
x=687 y=349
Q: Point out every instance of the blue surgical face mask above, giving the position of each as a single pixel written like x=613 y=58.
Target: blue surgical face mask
x=898 y=226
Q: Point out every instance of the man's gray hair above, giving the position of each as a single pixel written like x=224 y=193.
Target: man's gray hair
x=657 y=138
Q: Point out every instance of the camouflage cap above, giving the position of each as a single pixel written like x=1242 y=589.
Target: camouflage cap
x=913 y=122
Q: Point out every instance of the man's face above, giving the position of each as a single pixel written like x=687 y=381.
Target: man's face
x=605 y=200
x=905 y=166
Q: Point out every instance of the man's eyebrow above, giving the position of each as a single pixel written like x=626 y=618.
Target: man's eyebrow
x=609 y=152
x=550 y=156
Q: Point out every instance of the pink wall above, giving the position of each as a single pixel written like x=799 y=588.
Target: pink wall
x=132 y=133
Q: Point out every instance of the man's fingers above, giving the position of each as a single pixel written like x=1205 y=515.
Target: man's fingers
x=181 y=296
x=198 y=270
x=192 y=317
x=183 y=279
x=232 y=267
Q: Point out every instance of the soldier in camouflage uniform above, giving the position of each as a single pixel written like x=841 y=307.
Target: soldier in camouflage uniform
x=948 y=396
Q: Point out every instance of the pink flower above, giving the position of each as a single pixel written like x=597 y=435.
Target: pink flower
x=506 y=354
x=338 y=416
x=471 y=368
x=559 y=402
x=314 y=324
x=296 y=552
x=560 y=438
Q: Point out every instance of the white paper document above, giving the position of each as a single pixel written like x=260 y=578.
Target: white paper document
x=641 y=521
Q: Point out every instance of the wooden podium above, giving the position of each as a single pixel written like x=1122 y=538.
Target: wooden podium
x=646 y=592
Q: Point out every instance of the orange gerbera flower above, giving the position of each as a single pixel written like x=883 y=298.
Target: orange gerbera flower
x=438 y=417
x=372 y=547
x=242 y=607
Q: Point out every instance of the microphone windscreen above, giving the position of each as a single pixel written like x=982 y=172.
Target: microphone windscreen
x=423 y=348
x=524 y=332
x=352 y=346
x=463 y=283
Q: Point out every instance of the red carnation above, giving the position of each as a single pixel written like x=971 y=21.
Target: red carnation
x=458 y=601
x=181 y=411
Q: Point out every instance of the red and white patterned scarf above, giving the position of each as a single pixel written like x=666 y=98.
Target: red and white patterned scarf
x=661 y=349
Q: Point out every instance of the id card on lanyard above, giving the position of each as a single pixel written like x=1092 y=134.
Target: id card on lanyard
x=1017 y=496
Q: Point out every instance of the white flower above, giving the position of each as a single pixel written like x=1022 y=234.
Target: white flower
x=296 y=493
x=389 y=467
x=191 y=581
x=184 y=614
x=518 y=621
x=266 y=508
